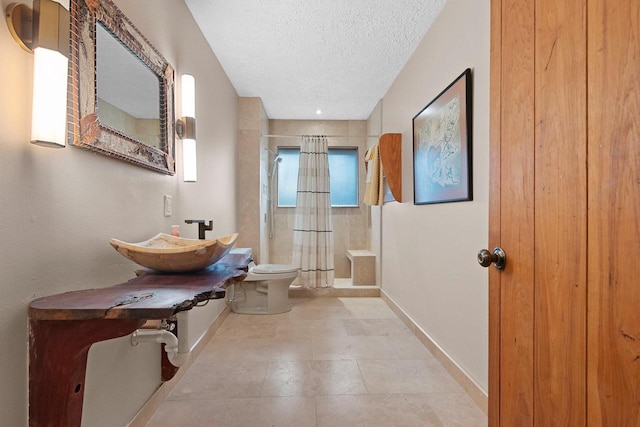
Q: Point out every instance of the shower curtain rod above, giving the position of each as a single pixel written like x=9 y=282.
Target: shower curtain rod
x=328 y=136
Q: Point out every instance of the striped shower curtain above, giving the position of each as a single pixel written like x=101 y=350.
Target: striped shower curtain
x=313 y=232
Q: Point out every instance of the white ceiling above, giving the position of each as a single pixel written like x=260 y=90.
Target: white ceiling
x=338 y=56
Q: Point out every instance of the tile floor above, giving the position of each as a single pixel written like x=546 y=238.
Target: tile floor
x=329 y=362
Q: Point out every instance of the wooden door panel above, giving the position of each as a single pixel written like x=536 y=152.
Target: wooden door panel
x=614 y=213
x=560 y=213
x=516 y=212
x=494 y=211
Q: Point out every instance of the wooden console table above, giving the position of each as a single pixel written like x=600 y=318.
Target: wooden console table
x=63 y=327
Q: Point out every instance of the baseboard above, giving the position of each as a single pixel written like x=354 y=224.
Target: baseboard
x=470 y=386
x=353 y=291
x=143 y=417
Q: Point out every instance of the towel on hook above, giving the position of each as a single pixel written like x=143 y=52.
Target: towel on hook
x=374 y=190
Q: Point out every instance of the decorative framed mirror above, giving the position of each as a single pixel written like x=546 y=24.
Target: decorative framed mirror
x=122 y=89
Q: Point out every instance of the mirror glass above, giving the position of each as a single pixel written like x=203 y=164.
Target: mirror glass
x=128 y=91
x=121 y=89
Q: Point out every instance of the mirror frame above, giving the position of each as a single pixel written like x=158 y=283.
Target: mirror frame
x=87 y=130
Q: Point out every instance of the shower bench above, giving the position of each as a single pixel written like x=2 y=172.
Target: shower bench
x=363 y=266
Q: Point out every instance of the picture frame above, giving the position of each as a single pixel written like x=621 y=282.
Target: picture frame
x=442 y=143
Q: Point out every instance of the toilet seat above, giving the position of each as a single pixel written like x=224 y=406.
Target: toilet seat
x=270 y=272
x=273 y=269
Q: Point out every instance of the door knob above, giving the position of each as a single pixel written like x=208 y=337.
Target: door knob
x=498 y=258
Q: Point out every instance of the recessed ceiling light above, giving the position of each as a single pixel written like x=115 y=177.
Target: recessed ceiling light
x=318 y=112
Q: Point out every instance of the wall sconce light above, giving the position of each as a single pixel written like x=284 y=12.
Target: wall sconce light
x=44 y=31
x=186 y=128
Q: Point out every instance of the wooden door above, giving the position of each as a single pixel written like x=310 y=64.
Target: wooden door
x=614 y=213
x=566 y=213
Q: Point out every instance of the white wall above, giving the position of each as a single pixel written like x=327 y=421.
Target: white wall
x=60 y=207
x=374 y=127
x=429 y=263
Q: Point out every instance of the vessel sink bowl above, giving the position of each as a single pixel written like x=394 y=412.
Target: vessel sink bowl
x=167 y=253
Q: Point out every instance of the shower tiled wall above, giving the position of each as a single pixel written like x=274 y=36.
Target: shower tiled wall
x=252 y=178
x=350 y=225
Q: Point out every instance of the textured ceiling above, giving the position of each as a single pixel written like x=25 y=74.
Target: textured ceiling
x=338 y=56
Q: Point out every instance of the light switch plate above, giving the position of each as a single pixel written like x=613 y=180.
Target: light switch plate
x=168 y=208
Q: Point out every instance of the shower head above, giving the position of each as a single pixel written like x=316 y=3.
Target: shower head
x=276 y=160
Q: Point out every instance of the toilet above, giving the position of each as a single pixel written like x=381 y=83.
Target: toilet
x=265 y=290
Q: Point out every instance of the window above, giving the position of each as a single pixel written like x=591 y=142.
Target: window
x=343 y=176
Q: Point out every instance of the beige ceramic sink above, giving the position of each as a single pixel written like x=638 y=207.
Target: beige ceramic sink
x=175 y=254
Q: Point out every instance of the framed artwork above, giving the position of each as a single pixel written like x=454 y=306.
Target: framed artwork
x=442 y=146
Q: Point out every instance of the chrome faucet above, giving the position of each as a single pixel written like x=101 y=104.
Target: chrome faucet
x=202 y=227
